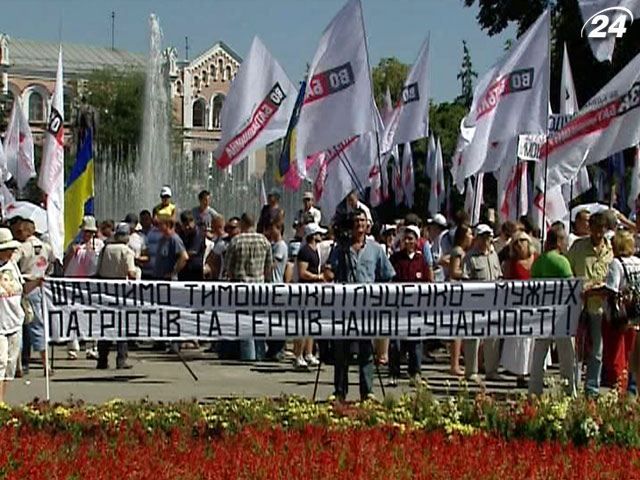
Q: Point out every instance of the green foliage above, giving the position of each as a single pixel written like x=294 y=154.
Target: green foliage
x=466 y=76
x=118 y=98
x=390 y=72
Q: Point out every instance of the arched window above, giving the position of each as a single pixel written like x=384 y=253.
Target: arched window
x=217 y=108
x=179 y=87
x=204 y=77
x=196 y=82
x=214 y=75
x=36 y=107
x=221 y=69
x=227 y=73
x=199 y=113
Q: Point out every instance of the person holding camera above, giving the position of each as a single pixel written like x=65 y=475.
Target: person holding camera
x=355 y=259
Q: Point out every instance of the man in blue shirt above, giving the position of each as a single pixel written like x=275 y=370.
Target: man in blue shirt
x=357 y=261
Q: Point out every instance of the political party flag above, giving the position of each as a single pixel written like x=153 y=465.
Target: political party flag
x=474 y=197
x=387 y=107
x=602 y=45
x=51 y=178
x=411 y=121
x=257 y=108
x=554 y=206
x=634 y=191
x=408 y=180
x=579 y=185
x=436 y=174
x=513 y=193
x=79 y=190
x=18 y=146
x=287 y=159
x=607 y=124
x=398 y=187
x=518 y=83
x=341 y=169
x=568 y=98
x=379 y=181
x=338 y=102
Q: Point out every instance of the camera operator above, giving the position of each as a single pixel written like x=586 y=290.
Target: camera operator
x=355 y=259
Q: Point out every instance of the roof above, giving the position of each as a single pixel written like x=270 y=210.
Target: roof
x=218 y=45
x=32 y=56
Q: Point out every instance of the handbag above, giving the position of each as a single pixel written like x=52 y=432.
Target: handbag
x=28 y=310
x=625 y=305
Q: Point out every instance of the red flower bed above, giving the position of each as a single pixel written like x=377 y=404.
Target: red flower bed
x=310 y=453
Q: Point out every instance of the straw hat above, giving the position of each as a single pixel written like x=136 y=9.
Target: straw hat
x=6 y=240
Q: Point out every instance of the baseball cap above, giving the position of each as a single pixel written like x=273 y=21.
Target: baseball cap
x=439 y=220
x=312 y=229
x=122 y=229
x=274 y=192
x=307 y=196
x=165 y=191
x=484 y=229
x=131 y=219
x=413 y=229
x=388 y=228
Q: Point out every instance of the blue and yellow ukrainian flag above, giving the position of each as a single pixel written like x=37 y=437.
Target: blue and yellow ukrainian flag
x=287 y=155
x=78 y=191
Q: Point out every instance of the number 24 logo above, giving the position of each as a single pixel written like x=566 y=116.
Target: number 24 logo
x=601 y=26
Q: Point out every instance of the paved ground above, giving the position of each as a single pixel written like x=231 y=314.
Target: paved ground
x=162 y=377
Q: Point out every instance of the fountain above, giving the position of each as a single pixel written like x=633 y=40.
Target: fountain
x=122 y=187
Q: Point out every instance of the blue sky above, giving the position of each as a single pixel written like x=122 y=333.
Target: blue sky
x=289 y=28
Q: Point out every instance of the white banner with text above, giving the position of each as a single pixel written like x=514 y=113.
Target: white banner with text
x=150 y=310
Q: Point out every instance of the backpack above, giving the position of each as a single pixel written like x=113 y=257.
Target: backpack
x=625 y=305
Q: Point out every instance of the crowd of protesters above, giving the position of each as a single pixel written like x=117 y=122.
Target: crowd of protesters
x=199 y=244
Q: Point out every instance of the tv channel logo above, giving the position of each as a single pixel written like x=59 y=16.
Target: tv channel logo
x=607 y=22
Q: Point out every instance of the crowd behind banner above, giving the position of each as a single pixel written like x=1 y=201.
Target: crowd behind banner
x=195 y=255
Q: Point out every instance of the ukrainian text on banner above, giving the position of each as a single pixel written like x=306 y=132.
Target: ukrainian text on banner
x=121 y=309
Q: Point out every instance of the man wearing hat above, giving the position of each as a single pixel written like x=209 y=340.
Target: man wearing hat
x=34 y=259
x=81 y=260
x=309 y=209
x=438 y=229
x=267 y=212
x=12 y=315
x=165 y=208
x=117 y=260
x=482 y=263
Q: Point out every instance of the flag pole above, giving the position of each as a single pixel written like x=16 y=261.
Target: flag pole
x=546 y=137
x=475 y=195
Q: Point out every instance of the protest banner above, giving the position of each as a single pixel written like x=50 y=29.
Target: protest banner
x=122 y=309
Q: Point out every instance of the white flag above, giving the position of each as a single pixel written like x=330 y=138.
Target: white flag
x=474 y=197
x=398 y=187
x=379 y=180
x=513 y=197
x=412 y=119
x=408 y=180
x=556 y=208
x=635 y=181
x=263 y=193
x=602 y=45
x=51 y=178
x=343 y=168
x=338 y=101
x=387 y=108
x=436 y=193
x=518 y=83
x=568 y=99
x=464 y=139
x=579 y=185
x=257 y=108
x=607 y=124
x=18 y=145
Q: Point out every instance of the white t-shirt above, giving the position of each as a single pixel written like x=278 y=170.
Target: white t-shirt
x=84 y=262
x=138 y=243
x=616 y=279
x=11 y=313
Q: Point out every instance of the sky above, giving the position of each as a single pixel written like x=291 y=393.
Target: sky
x=290 y=29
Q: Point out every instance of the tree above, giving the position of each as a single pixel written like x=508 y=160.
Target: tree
x=466 y=76
x=589 y=74
x=390 y=72
x=117 y=98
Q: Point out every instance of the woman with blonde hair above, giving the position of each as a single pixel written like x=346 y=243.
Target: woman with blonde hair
x=620 y=348
x=517 y=352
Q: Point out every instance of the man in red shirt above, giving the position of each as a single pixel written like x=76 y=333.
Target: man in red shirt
x=410 y=267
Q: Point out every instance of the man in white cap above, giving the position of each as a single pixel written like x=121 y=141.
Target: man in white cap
x=308 y=209
x=117 y=260
x=166 y=208
x=81 y=260
x=438 y=229
x=482 y=263
x=12 y=315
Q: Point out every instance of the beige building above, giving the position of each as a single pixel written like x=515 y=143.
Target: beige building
x=198 y=87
